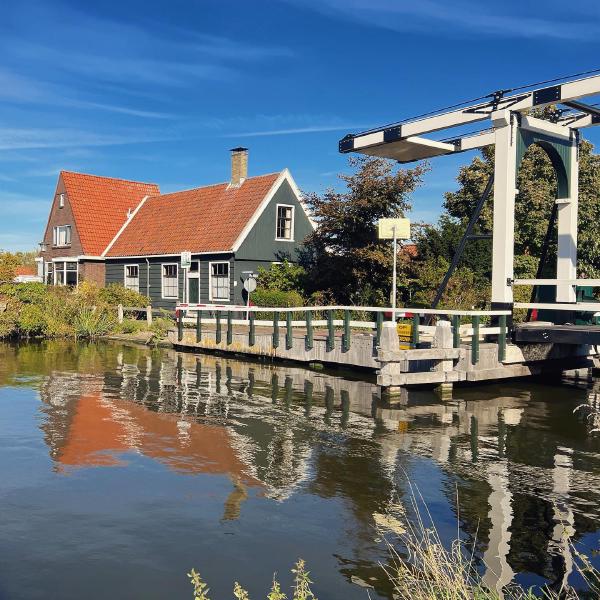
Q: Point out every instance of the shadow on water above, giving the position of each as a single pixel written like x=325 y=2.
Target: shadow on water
x=156 y=461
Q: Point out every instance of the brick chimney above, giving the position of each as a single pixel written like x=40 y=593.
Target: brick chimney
x=239 y=165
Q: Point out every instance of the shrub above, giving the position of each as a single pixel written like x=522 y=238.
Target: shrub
x=32 y=320
x=160 y=326
x=131 y=326
x=276 y=298
x=91 y=323
x=29 y=293
x=284 y=276
x=114 y=294
x=8 y=322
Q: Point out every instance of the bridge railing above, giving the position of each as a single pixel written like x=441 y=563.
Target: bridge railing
x=223 y=317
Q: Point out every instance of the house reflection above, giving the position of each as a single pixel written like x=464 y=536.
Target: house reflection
x=519 y=462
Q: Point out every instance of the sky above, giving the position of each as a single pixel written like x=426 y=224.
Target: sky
x=160 y=91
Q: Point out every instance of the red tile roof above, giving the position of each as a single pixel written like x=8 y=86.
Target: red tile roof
x=206 y=219
x=100 y=206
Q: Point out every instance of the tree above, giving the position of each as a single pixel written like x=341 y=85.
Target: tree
x=343 y=257
x=8 y=266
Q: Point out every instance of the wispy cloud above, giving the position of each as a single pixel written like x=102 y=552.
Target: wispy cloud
x=294 y=130
x=12 y=138
x=452 y=19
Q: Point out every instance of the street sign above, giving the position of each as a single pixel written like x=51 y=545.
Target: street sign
x=186 y=260
x=250 y=284
x=385 y=229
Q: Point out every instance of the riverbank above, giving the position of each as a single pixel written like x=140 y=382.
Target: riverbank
x=34 y=310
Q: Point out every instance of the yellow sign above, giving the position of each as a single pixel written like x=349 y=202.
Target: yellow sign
x=386 y=229
x=404 y=334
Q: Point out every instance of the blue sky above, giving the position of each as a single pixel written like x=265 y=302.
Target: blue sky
x=159 y=91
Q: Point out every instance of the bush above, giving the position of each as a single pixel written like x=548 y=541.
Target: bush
x=160 y=326
x=32 y=320
x=284 y=276
x=114 y=294
x=131 y=326
x=8 y=322
x=93 y=322
x=276 y=298
x=29 y=293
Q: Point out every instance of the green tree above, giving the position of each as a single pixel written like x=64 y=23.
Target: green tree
x=344 y=258
x=8 y=266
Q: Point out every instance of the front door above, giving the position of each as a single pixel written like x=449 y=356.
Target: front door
x=193 y=290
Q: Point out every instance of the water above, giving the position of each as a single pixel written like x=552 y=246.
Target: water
x=122 y=468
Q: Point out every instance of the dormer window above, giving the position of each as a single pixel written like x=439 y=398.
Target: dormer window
x=61 y=201
x=61 y=236
x=284 y=227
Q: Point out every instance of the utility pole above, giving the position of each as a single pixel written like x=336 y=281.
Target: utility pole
x=394 y=274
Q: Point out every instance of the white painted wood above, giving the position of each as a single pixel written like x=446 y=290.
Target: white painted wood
x=578 y=306
x=479 y=140
x=368 y=140
x=545 y=127
x=566 y=263
x=504 y=213
x=580 y=88
x=581 y=282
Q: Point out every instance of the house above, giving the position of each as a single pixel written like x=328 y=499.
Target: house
x=230 y=229
x=87 y=212
x=25 y=274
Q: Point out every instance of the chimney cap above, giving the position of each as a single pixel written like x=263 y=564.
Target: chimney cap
x=239 y=149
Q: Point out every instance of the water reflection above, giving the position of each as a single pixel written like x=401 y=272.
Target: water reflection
x=524 y=468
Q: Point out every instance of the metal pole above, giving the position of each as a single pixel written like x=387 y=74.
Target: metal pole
x=394 y=276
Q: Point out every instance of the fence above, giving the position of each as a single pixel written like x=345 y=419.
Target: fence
x=223 y=318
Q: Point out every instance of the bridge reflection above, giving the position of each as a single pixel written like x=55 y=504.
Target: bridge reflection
x=524 y=470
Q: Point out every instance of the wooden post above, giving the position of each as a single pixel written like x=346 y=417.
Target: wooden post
x=149 y=316
x=415 y=331
x=198 y=326
x=275 y=330
x=379 y=328
x=289 y=340
x=180 y=325
x=330 y=332
x=502 y=338
x=309 y=331
x=456 y=331
x=229 y=328
x=120 y=313
x=218 y=327
x=252 y=330
x=346 y=335
x=475 y=341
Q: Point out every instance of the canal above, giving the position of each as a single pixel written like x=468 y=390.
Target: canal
x=124 y=467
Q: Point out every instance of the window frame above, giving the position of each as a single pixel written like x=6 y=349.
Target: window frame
x=292 y=221
x=61 y=200
x=210 y=280
x=162 y=280
x=55 y=236
x=64 y=271
x=125 y=277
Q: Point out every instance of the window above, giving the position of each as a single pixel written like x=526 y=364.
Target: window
x=61 y=235
x=61 y=201
x=219 y=281
x=170 y=281
x=284 y=229
x=65 y=273
x=132 y=277
x=49 y=273
x=194 y=267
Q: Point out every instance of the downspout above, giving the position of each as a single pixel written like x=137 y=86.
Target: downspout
x=148 y=279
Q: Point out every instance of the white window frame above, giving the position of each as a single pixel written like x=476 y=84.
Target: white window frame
x=162 y=280
x=56 y=236
x=125 y=278
x=277 y=207
x=210 y=279
x=61 y=201
x=64 y=271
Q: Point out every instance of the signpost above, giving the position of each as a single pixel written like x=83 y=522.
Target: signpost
x=249 y=286
x=186 y=263
x=394 y=229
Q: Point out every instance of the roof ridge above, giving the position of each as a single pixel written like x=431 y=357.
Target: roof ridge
x=110 y=178
x=210 y=185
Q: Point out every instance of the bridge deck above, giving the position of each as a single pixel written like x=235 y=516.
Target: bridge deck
x=558 y=334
